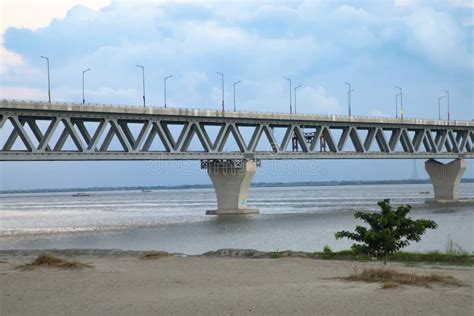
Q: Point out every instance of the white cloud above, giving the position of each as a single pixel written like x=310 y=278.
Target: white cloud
x=30 y=14
x=436 y=35
x=33 y=14
x=8 y=60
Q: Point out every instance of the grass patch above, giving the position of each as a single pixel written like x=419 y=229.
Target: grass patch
x=459 y=258
x=392 y=278
x=340 y=255
x=276 y=254
x=453 y=248
x=390 y=285
x=49 y=260
x=434 y=257
x=155 y=255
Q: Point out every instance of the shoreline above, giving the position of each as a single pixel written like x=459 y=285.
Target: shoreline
x=209 y=186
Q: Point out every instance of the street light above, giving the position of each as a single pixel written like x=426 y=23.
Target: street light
x=289 y=80
x=143 y=76
x=49 y=85
x=439 y=106
x=222 y=76
x=166 y=78
x=349 y=93
x=235 y=83
x=396 y=104
x=401 y=101
x=447 y=93
x=83 y=72
x=296 y=88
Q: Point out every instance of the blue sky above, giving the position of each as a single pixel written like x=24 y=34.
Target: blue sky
x=422 y=46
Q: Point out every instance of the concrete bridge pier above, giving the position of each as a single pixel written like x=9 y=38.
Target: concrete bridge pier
x=446 y=179
x=231 y=180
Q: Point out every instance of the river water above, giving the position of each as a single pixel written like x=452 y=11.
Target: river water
x=296 y=218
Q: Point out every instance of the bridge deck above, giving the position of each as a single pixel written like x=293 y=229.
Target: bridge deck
x=207 y=113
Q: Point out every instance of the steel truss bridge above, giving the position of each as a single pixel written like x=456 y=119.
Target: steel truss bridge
x=40 y=131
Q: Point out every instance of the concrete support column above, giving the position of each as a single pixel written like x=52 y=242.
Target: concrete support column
x=231 y=182
x=446 y=179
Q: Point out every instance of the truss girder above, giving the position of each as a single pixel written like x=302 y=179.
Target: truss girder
x=112 y=136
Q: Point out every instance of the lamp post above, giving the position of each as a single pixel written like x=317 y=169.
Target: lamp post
x=222 y=77
x=349 y=95
x=401 y=101
x=143 y=76
x=289 y=80
x=166 y=78
x=447 y=93
x=235 y=83
x=83 y=73
x=439 y=106
x=49 y=85
x=396 y=105
x=296 y=88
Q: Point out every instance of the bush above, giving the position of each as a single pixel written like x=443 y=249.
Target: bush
x=276 y=254
x=327 y=252
x=390 y=230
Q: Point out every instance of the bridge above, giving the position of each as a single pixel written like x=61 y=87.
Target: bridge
x=230 y=145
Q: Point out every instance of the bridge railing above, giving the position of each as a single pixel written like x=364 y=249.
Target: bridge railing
x=307 y=115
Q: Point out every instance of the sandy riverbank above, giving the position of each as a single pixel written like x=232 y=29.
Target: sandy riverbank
x=124 y=284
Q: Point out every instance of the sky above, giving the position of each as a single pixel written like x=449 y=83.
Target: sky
x=422 y=46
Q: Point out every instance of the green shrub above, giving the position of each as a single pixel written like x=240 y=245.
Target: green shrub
x=390 y=230
x=327 y=252
x=276 y=254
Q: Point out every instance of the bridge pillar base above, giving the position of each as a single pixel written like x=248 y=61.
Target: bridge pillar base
x=246 y=211
x=231 y=180
x=446 y=179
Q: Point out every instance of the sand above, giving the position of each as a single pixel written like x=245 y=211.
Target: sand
x=127 y=285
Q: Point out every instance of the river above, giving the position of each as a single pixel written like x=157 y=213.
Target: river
x=296 y=218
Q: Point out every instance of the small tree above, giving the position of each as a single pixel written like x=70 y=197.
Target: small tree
x=390 y=230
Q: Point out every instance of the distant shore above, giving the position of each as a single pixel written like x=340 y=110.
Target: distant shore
x=208 y=186
x=122 y=283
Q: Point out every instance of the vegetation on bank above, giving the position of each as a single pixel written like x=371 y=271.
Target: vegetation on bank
x=457 y=257
x=391 y=278
x=51 y=261
x=155 y=255
x=434 y=257
x=386 y=233
x=389 y=231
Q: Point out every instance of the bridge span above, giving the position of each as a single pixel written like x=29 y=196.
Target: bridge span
x=229 y=144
